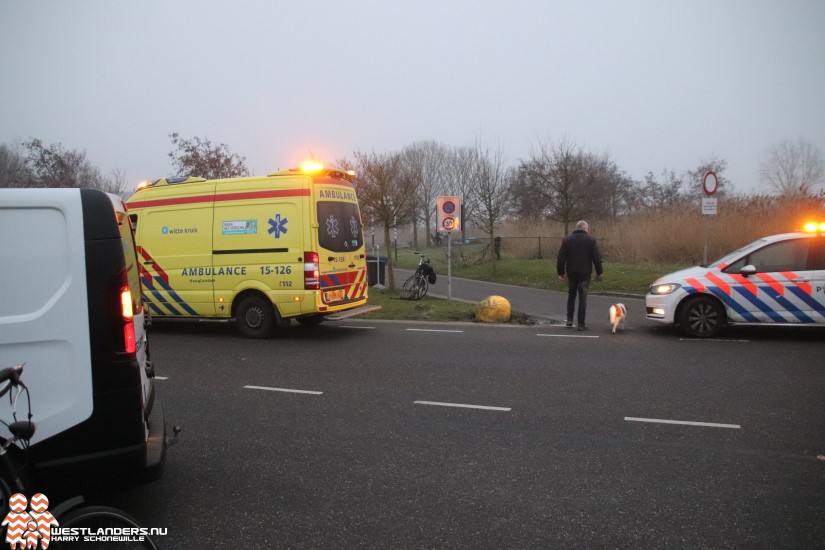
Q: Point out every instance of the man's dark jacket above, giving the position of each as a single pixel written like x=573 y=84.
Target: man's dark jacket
x=579 y=252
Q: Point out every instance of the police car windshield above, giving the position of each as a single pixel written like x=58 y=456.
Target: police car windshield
x=729 y=258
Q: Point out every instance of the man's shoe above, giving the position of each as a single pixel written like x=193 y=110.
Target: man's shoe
x=582 y=328
x=569 y=324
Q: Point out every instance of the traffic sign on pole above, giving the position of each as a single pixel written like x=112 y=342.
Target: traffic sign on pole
x=448 y=213
x=710 y=184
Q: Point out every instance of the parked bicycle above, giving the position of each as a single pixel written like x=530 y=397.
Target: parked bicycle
x=32 y=528
x=417 y=285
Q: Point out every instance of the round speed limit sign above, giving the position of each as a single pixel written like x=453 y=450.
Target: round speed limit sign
x=449 y=223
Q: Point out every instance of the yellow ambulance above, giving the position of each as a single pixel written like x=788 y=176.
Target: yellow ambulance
x=261 y=250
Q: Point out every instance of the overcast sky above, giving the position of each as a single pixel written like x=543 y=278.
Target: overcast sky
x=655 y=84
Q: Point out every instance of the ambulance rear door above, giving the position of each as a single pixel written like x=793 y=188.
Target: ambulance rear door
x=342 y=257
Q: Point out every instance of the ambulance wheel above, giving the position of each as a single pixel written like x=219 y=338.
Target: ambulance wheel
x=255 y=317
x=702 y=317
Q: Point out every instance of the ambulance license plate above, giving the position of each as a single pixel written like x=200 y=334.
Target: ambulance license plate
x=334 y=295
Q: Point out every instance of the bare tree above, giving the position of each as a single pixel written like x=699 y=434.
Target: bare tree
x=660 y=195
x=13 y=171
x=459 y=179
x=426 y=162
x=53 y=166
x=569 y=178
x=695 y=178
x=198 y=157
x=490 y=189
x=386 y=194
x=793 y=168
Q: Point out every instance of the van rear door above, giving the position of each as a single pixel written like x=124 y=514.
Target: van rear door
x=43 y=303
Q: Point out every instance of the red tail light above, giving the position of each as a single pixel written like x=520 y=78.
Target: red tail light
x=128 y=317
x=312 y=271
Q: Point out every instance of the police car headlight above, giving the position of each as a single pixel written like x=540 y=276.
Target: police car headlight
x=661 y=290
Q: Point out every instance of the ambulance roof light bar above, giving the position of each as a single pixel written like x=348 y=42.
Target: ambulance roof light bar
x=317 y=169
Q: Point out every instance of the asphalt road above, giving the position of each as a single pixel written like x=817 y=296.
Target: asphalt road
x=362 y=434
x=542 y=305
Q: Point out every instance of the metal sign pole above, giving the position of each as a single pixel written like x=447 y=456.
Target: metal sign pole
x=705 y=255
x=449 y=266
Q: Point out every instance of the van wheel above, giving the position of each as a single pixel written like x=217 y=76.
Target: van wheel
x=255 y=317
x=702 y=317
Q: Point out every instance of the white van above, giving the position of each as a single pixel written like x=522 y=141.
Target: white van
x=71 y=310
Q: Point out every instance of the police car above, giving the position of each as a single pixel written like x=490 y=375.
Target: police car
x=778 y=280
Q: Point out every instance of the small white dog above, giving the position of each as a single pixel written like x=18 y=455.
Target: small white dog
x=617 y=314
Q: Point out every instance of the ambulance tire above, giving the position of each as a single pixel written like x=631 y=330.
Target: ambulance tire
x=702 y=317
x=255 y=317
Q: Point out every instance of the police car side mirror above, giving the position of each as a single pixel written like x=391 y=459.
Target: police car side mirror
x=748 y=270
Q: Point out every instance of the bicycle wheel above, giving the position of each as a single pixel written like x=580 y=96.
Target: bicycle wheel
x=414 y=288
x=107 y=527
x=423 y=286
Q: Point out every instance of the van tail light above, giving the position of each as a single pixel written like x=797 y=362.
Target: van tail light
x=128 y=316
x=124 y=319
x=312 y=271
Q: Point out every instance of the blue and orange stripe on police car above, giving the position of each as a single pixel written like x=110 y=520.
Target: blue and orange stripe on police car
x=732 y=292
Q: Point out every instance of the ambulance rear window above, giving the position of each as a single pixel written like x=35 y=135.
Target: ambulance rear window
x=339 y=226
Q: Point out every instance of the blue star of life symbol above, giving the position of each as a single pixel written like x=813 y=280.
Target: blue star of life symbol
x=277 y=226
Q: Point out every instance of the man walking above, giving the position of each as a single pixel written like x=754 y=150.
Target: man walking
x=578 y=254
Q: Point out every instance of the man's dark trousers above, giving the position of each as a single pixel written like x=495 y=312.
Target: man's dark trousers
x=577 y=286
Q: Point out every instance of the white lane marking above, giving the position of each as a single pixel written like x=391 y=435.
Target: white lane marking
x=712 y=340
x=354 y=326
x=431 y=330
x=161 y=378
x=683 y=422
x=567 y=335
x=462 y=406
x=285 y=390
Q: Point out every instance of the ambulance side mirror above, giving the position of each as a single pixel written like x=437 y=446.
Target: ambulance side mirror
x=748 y=270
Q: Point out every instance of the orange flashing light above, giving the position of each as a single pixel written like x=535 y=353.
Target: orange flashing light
x=142 y=185
x=814 y=227
x=311 y=166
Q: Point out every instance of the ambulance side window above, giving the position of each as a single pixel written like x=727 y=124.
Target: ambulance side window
x=134 y=218
x=784 y=256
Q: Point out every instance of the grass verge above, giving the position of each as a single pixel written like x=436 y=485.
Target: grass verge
x=425 y=309
x=621 y=278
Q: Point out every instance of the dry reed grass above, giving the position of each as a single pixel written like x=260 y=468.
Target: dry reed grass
x=674 y=236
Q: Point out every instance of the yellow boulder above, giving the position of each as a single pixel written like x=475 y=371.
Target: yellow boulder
x=493 y=309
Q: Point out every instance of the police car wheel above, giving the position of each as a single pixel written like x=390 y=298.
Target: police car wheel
x=702 y=317
x=255 y=317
